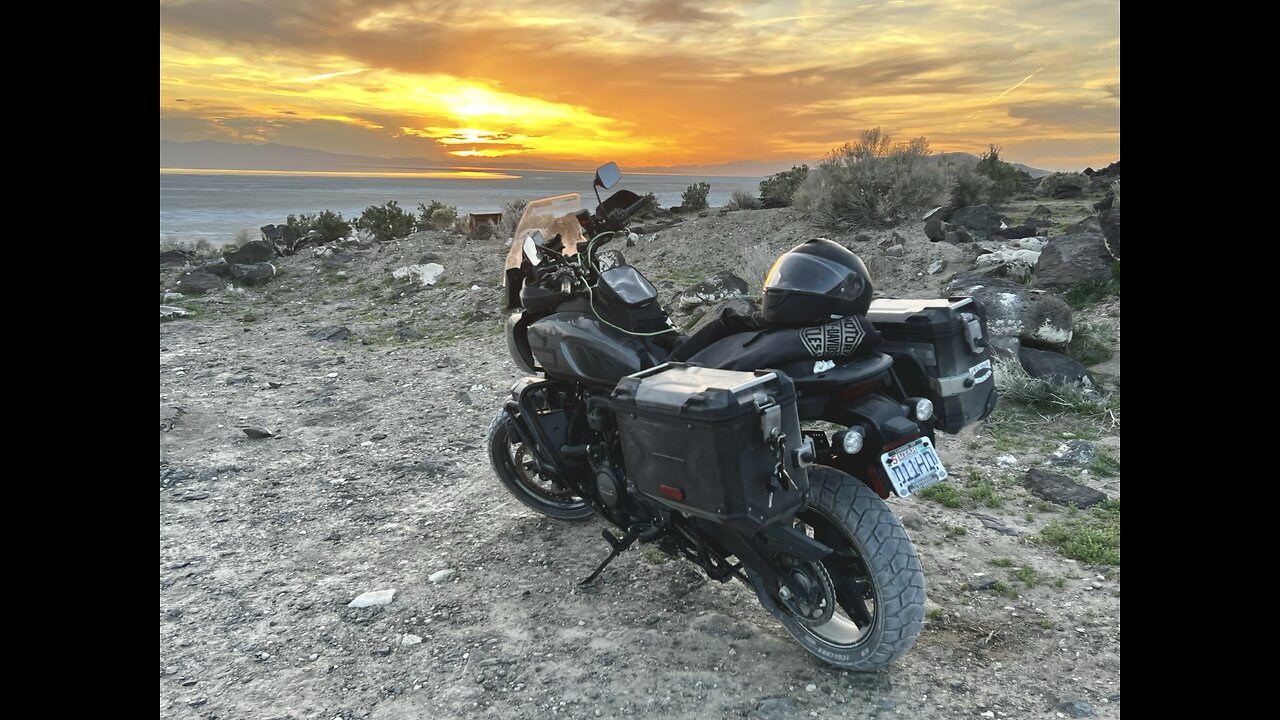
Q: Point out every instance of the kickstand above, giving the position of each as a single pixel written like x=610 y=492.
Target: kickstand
x=619 y=545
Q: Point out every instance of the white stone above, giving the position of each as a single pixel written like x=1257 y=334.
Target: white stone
x=425 y=274
x=376 y=597
x=410 y=639
x=440 y=576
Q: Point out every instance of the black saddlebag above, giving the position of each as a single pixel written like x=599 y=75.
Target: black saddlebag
x=697 y=440
x=940 y=351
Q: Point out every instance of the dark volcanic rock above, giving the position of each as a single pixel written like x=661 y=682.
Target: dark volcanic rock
x=254 y=251
x=982 y=219
x=1068 y=260
x=176 y=258
x=718 y=287
x=957 y=237
x=1060 y=489
x=199 y=282
x=743 y=306
x=255 y=274
x=332 y=332
x=1110 y=221
x=934 y=224
x=1015 y=310
x=257 y=433
x=1017 y=232
x=1057 y=369
x=219 y=268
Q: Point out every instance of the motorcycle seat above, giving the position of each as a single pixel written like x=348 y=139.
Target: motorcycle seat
x=814 y=372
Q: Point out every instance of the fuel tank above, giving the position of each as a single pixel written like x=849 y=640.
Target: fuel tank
x=577 y=346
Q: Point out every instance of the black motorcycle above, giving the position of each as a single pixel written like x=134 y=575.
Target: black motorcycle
x=715 y=465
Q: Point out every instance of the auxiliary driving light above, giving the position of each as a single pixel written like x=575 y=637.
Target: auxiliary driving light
x=924 y=409
x=851 y=442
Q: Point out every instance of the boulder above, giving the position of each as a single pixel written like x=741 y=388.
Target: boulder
x=1061 y=489
x=1110 y=222
x=219 y=268
x=743 y=305
x=1040 y=211
x=1087 y=225
x=1068 y=260
x=1017 y=263
x=169 y=312
x=1015 y=310
x=424 y=274
x=176 y=258
x=1054 y=367
x=957 y=237
x=273 y=233
x=1038 y=222
x=934 y=224
x=1068 y=192
x=255 y=274
x=254 y=251
x=718 y=287
x=331 y=333
x=981 y=219
x=1017 y=232
x=198 y=283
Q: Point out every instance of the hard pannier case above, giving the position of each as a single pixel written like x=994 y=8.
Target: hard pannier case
x=695 y=439
x=940 y=351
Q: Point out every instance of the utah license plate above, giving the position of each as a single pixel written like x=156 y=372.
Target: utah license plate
x=913 y=467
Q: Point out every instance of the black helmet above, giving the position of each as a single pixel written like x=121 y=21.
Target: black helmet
x=815 y=282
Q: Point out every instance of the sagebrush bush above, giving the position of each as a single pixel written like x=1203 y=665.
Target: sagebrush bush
x=753 y=262
x=1053 y=183
x=971 y=187
x=437 y=216
x=1115 y=190
x=695 y=196
x=505 y=229
x=1006 y=180
x=781 y=187
x=745 y=200
x=328 y=223
x=386 y=222
x=873 y=182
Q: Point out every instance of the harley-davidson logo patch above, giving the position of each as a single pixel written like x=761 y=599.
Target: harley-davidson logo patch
x=835 y=339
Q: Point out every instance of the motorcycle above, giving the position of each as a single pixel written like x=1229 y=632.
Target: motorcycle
x=716 y=466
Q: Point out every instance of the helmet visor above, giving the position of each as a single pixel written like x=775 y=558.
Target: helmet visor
x=812 y=274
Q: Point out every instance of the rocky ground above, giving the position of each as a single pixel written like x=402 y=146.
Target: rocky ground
x=377 y=393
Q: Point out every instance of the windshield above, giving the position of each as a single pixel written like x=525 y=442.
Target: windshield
x=552 y=216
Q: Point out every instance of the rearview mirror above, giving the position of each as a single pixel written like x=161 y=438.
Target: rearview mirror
x=531 y=249
x=608 y=175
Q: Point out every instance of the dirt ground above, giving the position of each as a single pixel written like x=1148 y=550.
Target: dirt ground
x=376 y=479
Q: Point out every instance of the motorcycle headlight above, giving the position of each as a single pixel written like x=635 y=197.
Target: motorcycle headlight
x=923 y=409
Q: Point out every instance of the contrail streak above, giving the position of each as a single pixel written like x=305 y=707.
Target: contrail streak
x=976 y=113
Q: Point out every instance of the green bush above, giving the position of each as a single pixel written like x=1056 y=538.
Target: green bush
x=781 y=187
x=745 y=200
x=1052 y=183
x=971 y=187
x=386 y=222
x=873 y=182
x=437 y=215
x=1006 y=180
x=1092 y=538
x=695 y=197
x=328 y=223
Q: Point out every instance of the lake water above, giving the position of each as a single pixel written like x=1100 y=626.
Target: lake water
x=215 y=205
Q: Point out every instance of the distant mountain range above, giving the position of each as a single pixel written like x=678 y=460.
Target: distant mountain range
x=215 y=155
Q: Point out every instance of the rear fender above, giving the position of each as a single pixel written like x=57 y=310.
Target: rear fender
x=887 y=426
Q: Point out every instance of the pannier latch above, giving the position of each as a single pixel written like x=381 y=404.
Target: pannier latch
x=775 y=438
x=973 y=328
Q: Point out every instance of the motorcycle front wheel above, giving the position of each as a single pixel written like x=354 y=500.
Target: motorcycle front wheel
x=875 y=572
x=516 y=471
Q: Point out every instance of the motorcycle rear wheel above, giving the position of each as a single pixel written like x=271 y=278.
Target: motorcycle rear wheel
x=518 y=475
x=876 y=573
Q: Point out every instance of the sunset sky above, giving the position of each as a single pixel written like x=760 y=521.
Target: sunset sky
x=648 y=83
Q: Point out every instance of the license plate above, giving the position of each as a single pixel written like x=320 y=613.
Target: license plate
x=913 y=467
